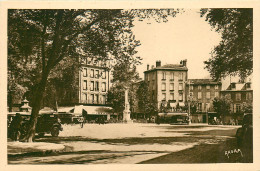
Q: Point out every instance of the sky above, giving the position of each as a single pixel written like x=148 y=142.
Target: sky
x=186 y=36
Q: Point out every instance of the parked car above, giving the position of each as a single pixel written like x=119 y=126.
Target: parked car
x=244 y=134
x=46 y=124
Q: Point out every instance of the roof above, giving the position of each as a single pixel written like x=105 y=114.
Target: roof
x=172 y=67
x=238 y=87
x=203 y=81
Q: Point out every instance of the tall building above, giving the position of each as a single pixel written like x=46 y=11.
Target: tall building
x=202 y=92
x=94 y=82
x=89 y=94
x=167 y=83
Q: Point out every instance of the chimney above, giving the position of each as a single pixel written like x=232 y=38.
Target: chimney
x=147 y=66
x=158 y=64
x=184 y=63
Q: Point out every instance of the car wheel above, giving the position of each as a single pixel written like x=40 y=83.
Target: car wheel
x=55 y=132
x=41 y=134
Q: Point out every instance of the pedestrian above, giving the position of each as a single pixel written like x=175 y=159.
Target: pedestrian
x=15 y=127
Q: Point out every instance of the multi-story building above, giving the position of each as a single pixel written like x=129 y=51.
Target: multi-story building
x=202 y=92
x=89 y=93
x=167 y=83
x=240 y=94
x=94 y=82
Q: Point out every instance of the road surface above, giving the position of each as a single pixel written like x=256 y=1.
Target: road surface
x=139 y=143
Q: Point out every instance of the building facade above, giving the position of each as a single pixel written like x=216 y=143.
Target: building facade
x=240 y=94
x=200 y=93
x=167 y=84
x=94 y=82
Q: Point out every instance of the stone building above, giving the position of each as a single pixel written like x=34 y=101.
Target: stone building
x=167 y=84
x=201 y=92
x=241 y=95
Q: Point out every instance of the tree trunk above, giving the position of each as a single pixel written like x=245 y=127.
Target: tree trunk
x=38 y=97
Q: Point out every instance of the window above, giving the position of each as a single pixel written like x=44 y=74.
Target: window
x=216 y=94
x=84 y=97
x=92 y=86
x=153 y=76
x=180 y=86
x=250 y=96
x=153 y=85
x=228 y=96
x=97 y=86
x=171 y=86
x=164 y=96
x=171 y=96
x=191 y=87
x=103 y=74
x=92 y=73
x=233 y=86
x=191 y=94
x=85 y=85
x=207 y=106
x=248 y=85
x=96 y=99
x=238 y=108
x=216 y=87
x=238 y=96
x=164 y=75
x=97 y=74
x=208 y=95
x=199 y=95
x=181 y=76
x=92 y=98
x=180 y=97
x=163 y=86
x=208 y=87
x=104 y=99
x=103 y=86
x=199 y=87
x=172 y=76
x=84 y=72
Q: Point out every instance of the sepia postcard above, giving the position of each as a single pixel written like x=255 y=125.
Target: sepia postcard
x=133 y=85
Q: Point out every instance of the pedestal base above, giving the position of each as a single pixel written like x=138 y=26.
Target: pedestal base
x=126 y=117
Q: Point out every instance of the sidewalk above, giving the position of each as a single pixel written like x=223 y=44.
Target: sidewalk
x=17 y=148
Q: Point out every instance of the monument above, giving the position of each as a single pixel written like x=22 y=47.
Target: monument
x=126 y=113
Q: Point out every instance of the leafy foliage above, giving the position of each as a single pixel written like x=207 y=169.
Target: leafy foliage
x=234 y=54
x=40 y=40
x=145 y=102
x=222 y=105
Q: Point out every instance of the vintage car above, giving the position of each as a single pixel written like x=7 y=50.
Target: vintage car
x=46 y=124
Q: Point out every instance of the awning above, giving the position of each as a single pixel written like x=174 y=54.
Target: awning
x=46 y=110
x=173 y=104
x=181 y=104
x=65 y=109
x=93 y=110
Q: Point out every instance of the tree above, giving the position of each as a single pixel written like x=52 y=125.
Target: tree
x=38 y=40
x=246 y=107
x=222 y=106
x=145 y=102
x=234 y=54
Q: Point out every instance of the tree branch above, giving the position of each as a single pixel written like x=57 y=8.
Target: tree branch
x=66 y=44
